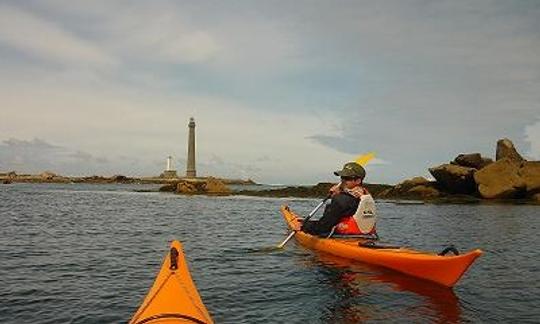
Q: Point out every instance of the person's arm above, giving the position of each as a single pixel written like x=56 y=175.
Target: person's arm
x=331 y=217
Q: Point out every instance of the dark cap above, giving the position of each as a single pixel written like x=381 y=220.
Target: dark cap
x=352 y=169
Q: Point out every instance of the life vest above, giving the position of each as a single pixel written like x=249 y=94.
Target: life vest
x=363 y=222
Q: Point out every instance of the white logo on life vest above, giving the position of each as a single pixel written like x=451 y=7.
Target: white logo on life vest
x=366 y=215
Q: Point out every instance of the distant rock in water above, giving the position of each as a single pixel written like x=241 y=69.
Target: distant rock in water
x=319 y=190
x=47 y=175
x=415 y=188
x=119 y=178
x=168 y=188
x=207 y=186
x=215 y=186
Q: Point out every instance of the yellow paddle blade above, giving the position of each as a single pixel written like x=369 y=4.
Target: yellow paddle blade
x=364 y=159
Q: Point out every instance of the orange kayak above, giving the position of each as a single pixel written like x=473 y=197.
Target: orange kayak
x=173 y=297
x=445 y=270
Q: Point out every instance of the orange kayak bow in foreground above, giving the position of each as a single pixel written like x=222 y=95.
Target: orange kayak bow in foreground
x=173 y=297
x=445 y=270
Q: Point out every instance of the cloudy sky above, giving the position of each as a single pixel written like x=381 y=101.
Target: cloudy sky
x=282 y=91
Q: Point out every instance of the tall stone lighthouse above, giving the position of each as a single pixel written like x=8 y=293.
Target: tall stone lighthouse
x=190 y=170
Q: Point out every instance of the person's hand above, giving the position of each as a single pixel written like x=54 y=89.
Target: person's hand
x=357 y=192
x=335 y=189
x=297 y=224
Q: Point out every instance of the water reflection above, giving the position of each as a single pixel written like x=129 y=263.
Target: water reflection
x=365 y=293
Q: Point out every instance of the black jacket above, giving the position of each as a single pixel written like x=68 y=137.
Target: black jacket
x=340 y=206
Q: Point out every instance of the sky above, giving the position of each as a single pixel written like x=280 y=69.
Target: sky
x=282 y=92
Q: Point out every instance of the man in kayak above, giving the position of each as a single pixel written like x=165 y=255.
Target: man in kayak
x=344 y=203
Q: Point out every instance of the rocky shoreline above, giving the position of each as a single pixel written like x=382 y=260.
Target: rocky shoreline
x=468 y=178
x=319 y=190
x=50 y=177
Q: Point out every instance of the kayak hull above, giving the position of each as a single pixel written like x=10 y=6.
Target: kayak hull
x=444 y=270
x=173 y=298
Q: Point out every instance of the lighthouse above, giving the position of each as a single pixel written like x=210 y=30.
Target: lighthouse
x=169 y=172
x=169 y=163
x=190 y=169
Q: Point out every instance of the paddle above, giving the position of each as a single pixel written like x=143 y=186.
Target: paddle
x=291 y=234
x=362 y=160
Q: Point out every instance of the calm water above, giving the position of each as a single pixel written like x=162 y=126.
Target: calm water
x=89 y=253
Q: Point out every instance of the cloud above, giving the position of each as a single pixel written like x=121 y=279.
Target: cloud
x=38 y=155
x=43 y=39
x=154 y=33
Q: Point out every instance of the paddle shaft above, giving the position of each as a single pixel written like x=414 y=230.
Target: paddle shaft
x=305 y=220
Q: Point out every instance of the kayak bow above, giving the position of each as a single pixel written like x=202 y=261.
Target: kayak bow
x=445 y=270
x=173 y=298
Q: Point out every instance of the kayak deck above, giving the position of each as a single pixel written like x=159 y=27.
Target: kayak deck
x=173 y=298
x=445 y=270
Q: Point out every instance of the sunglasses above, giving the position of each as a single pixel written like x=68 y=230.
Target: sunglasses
x=348 y=178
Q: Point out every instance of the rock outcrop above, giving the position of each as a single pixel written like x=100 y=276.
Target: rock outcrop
x=471 y=177
x=119 y=178
x=319 y=190
x=47 y=175
x=209 y=186
x=415 y=188
x=473 y=160
x=168 y=187
x=530 y=173
x=455 y=178
x=215 y=186
x=506 y=150
x=500 y=180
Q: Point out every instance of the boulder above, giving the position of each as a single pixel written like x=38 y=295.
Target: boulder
x=186 y=187
x=536 y=198
x=410 y=183
x=209 y=186
x=119 y=178
x=455 y=178
x=47 y=175
x=417 y=188
x=530 y=173
x=506 y=150
x=500 y=180
x=473 y=160
x=423 y=191
x=215 y=186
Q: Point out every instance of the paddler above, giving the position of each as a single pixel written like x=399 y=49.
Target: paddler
x=340 y=215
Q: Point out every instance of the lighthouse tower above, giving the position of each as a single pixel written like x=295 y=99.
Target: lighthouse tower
x=190 y=169
x=169 y=172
